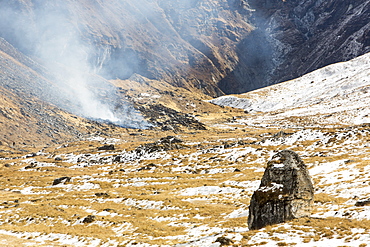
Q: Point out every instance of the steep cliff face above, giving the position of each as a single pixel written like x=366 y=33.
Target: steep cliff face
x=307 y=35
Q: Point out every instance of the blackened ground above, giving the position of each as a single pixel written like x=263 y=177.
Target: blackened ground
x=169 y=119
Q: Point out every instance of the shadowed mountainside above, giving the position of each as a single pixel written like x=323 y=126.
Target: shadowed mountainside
x=312 y=34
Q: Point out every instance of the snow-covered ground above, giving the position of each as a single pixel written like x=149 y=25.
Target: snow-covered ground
x=223 y=176
x=198 y=194
x=339 y=93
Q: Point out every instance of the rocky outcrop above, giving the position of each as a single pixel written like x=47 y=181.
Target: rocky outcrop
x=163 y=144
x=170 y=119
x=286 y=192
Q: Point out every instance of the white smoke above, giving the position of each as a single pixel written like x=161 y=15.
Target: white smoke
x=51 y=34
x=173 y=40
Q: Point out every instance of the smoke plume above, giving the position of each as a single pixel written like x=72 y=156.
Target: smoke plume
x=54 y=36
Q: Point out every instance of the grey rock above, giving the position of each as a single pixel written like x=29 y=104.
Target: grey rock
x=148 y=167
x=163 y=144
x=58 y=158
x=89 y=219
x=117 y=158
x=286 y=192
x=223 y=241
x=102 y=194
x=109 y=147
x=363 y=203
x=61 y=180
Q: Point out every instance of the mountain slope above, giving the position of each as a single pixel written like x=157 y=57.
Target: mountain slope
x=216 y=47
x=305 y=35
x=37 y=108
x=63 y=53
x=188 y=44
x=185 y=183
x=336 y=94
x=24 y=118
x=33 y=108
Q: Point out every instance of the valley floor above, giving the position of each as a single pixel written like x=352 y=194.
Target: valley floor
x=192 y=188
x=189 y=182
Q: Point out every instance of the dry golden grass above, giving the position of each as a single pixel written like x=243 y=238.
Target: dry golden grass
x=149 y=202
x=13 y=241
x=325 y=198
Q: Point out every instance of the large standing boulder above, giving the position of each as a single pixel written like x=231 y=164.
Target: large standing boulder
x=286 y=192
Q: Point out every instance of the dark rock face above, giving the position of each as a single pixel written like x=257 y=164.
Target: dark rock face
x=302 y=35
x=286 y=192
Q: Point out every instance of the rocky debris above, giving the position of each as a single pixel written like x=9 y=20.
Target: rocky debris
x=58 y=158
x=61 y=180
x=109 y=147
x=163 y=144
x=169 y=140
x=88 y=219
x=31 y=165
x=285 y=193
x=148 y=167
x=10 y=204
x=224 y=241
x=362 y=203
x=117 y=158
x=102 y=194
x=280 y=134
x=110 y=210
x=170 y=119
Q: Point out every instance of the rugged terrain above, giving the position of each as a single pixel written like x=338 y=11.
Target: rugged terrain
x=192 y=187
x=110 y=136
x=70 y=56
x=228 y=46
x=307 y=35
